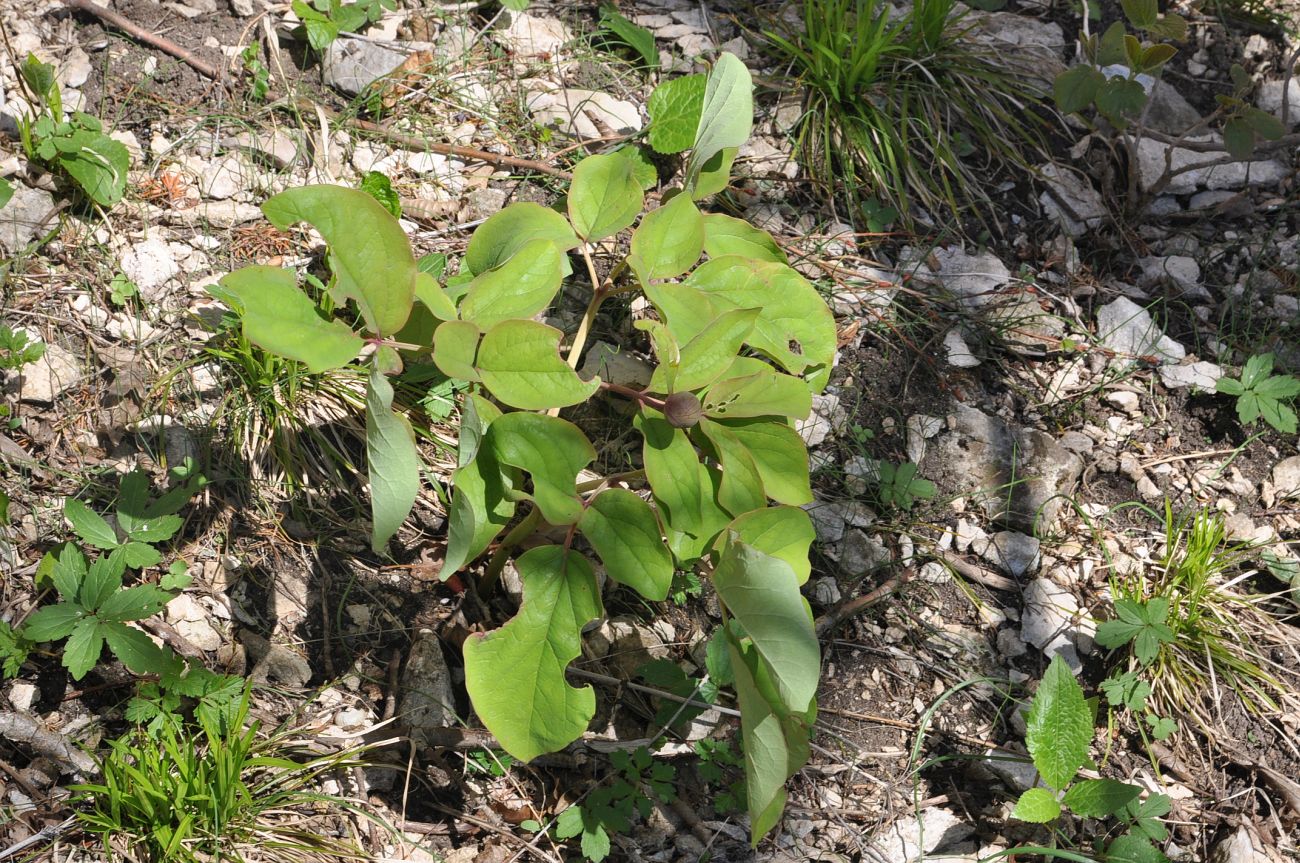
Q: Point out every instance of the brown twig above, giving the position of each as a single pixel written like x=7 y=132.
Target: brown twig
x=413 y=142
x=135 y=31
x=971 y=572
x=842 y=612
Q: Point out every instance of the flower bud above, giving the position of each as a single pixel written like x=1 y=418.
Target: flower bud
x=683 y=410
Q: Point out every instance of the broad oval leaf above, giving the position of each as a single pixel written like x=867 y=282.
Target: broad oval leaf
x=685 y=309
x=727 y=235
x=519 y=362
x=433 y=297
x=278 y=317
x=98 y=164
x=714 y=174
x=1099 y=798
x=674 y=108
x=519 y=288
x=742 y=485
x=727 y=115
x=1076 y=88
x=369 y=254
x=759 y=393
x=480 y=508
x=515 y=674
x=668 y=241
x=1059 y=726
x=623 y=530
x=762 y=593
x=605 y=196
x=780 y=456
x=552 y=450
x=504 y=233
x=1037 y=806
x=784 y=532
x=710 y=353
x=455 y=344
x=392 y=459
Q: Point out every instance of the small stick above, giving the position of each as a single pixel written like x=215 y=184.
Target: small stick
x=842 y=612
x=135 y=31
x=413 y=142
x=974 y=573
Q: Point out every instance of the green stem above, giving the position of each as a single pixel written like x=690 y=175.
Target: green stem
x=517 y=534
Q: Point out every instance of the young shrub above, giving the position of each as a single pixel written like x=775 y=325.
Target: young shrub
x=742 y=342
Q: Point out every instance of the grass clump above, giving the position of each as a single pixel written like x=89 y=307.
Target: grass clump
x=901 y=107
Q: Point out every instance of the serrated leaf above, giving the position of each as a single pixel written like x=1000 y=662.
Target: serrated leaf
x=378 y=186
x=278 y=317
x=674 y=108
x=604 y=197
x=89 y=525
x=368 y=252
x=1278 y=415
x=1248 y=408
x=1037 y=806
x=519 y=362
x=177 y=577
x=520 y=287
x=515 y=674
x=1116 y=633
x=727 y=235
x=1256 y=370
x=1058 y=726
x=706 y=356
x=97 y=163
x=136 y=650
x=1132 y=848
x=392 y=461
x=134 y=603
x=455 y=345
x=505 y=233
x=1279 y=387
x=102 y=580
x=742 y=484
x=794 y=326
x=640 y=40
x=81 y=652
x=156 y=529
x=552 y=451
x=52 y=622
x=623 y=530
x=668 y=241
x=139 y=555
x=1228 y=386
x=727 y=114
x=1099 y=798
x=643 y=167
x=762 y=593
x=784 y=532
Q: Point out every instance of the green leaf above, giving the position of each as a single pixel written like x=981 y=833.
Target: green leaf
x=685 y=309
x=1248 y=408
x=639 y=39
x=673 y=470
x=278 y=317
x=553 y=451
x=519 y=362
x=97 y=163
x=520 y=287
x=623 y=530
x=1099 y=798
x=103 y=579
x=727 y=114
x=392 y=459
x=595 y=844
x=455 y=344
x=727 y=235
x=6 y=191
x=1228 y=386
x=1037 y=806
x=762 y=593
x=794 y=327
x=433 y=297
x=674 y=108
x=136 y=650
x=155 y=529
x=604 y=197
x=89 y=525
x=714 y=174
x=81 y=653
x=1132 y=848
x=1238 y=138
x=1116 y=633
x=643 y=167
x=40 y=77
x=1279 y=387
x=1278 y=415
x=134 y=603
x=52 y=622
x=1121 y=99
x=668 y=241
x=1257 y=368
x=480 y=505
x=379 y=187
x=1155 y=56
x=368 y=252
x=505 y=233
x=784 y=532
x=708 y=354
x=742 y=485
x=762 y=393
x=515 y=674
x=1170 y=26
x=1264 y=124
x=1142 y=14
x=1059 y=726
x=780 y=456
x=66 y=573
x=1076 y=88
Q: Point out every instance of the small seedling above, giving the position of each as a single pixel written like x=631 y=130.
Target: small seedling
x=323 y=20
x=17 y=349
x=379 y=187
x=1140 y=623
x=878 y=216
x=1263 y=394
x=122 y=290
x=259 y=83
x=609 y=809
x=899 y=486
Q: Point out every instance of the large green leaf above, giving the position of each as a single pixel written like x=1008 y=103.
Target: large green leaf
x=455 y=344
x=515 y=675
x=762 y=593
x=727 y=235
x=1059 y=726
x=369 y=254
x=278 y=317
x=762 y=392
x=705 y=357
x=715 y=174
x=98 y=164
x=520 y=287
x=136 y=650
x=1077 y=88
x=1037 y=806
x=668 y=241
x=784 y=532
x=727 y=114
x=674 y=108
x=780 y=456
x=433 y=297
x=605 y=196
x=504 y=233
x=552 y=450
x=52 y=622
x=81 y=652
x=623 y=530
x=685 y=309
x=1099 y=798
x=480 y=508
x=89 y=525
x=519 y=362
x=742 y=484
x=794 y=327
x=673 y=470
x=774 y=747
x=392 y=459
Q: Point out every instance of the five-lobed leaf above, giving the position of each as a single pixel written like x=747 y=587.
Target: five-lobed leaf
x=1059 y=726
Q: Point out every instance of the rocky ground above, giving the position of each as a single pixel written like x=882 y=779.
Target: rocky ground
x=1055 y=383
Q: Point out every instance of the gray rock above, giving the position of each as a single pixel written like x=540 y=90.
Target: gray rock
x=973 y=279
x=21 y=220
x=1015 y=769
x=860 y=474
x=1127 y=328
x=615 y=366
x=916 y=837
x=1020 y=318
x=1179 y=270
x=1169 y=112
x=826 y=417
x=482 y=203
x=428 y=700
x=529 y=35
x=957 y=351
x=150 y=263
x=825 y=591
x=859 y=554
x=43 y=381
x=1207 y=200
x=275 y=663
x=1071 y=200
x=1269 y=99
x=224 y=178
x=1017 y=474
x=275 y=147
x=1047 y=621
x=634 y=645
x=351 y=65
x=1030 y=45
x=1016 y=553
x=1203 y=172
x=828 y=521
x=1201 y=375
x=1286 y=477
x=1240 y=847
x=583 y=114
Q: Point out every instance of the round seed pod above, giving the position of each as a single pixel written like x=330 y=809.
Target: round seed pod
x=683 y=410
